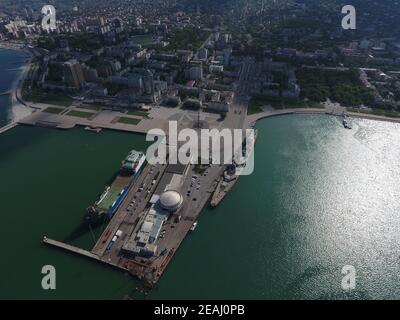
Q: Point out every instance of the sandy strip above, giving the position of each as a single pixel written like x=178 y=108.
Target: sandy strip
x=18 y=110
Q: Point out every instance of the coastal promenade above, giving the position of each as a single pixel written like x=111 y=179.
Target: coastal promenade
x=158 y=117
x=252 y=119
x=102 y=119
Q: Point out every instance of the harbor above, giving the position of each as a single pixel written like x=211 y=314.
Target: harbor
x=125 y=173
x=119 y=244
x=142 y=233
x=147 y=214
x=149 y=210
x=252 y=210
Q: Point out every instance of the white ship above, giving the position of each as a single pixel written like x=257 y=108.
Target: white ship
x=133 y=163
x=193 y=227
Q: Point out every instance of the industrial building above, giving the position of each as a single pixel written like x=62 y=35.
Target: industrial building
x=166 y=200
x=143 y=242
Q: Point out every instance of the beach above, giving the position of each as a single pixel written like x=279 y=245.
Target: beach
x=20 y=110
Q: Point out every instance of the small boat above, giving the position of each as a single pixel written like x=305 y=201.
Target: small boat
x=97 y=130
x=193 y=227
x=346 y=124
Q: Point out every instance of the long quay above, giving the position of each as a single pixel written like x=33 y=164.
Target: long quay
x=8 y=127
x=70 y=248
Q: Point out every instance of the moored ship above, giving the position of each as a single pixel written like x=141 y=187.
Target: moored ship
x=112 y=197
x=231 y=175
x=133 y=163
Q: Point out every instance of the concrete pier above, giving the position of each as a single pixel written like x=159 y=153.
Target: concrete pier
x=82 y=252
x=70 y=248
x=8 y=127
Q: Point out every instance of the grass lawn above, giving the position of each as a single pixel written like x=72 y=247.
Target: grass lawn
x=142 y=114
x=53 y=110
x=64 y=101
x=28 y=95
x=80 y=114
x=145 y=41
x=254 y=108
x=126 y=120
x=93 y=107
x=315 y=105
x=187 y=38
x=37 y=96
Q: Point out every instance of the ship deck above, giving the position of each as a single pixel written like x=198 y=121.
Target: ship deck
x=116 y=187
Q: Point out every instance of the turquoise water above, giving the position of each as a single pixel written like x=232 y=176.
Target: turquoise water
x=321 y=197
x=10 y=64
x=48 y=178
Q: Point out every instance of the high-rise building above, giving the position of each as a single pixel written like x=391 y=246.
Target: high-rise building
x=227 y=56
x=196 y=73
x=203 y=53
x=90 y=74
x=148 y=82
x=105 y=69
x=73 y=74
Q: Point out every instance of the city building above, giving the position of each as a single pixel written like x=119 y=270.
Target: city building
x=203 y=54
x=73 y=74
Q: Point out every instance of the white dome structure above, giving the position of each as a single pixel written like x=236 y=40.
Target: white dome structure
x=171 y=200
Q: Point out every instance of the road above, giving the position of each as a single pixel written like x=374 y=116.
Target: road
x=236 y=117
